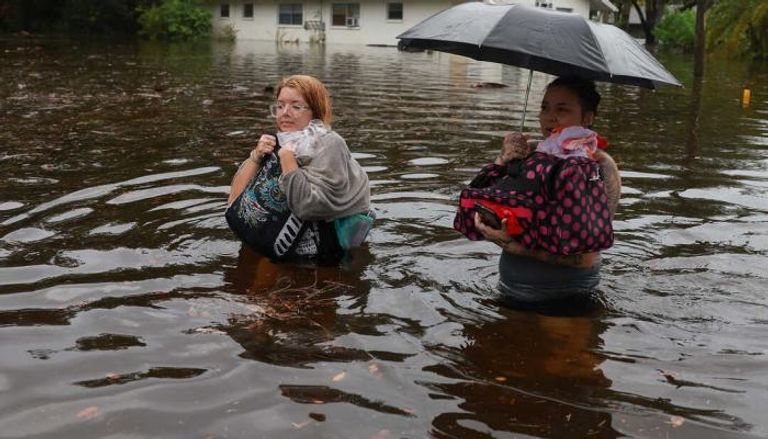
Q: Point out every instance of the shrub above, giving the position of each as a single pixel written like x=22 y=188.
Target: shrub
x=677 y=29
x=175 y=20
x=227 y=33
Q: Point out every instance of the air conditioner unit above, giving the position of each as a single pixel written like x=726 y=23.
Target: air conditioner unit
x=352 y=22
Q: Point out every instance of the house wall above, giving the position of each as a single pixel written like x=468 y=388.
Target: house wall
x=374 y=28
x=580 y=7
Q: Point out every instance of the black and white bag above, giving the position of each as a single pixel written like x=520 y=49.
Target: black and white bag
x=260 y=217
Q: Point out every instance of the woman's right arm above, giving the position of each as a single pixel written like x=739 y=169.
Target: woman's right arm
x=247 y=170
x=250 y=167
x=500 y=238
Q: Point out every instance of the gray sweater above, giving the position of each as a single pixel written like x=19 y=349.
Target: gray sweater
x=332 y=185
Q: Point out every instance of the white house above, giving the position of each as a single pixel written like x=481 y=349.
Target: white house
x=370 y=22
x=597 y=9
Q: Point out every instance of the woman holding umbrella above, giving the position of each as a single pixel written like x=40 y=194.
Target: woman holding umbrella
x=555 y=43
x=538 y=276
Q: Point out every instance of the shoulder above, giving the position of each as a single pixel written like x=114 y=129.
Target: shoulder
x=332 y=138
x=331 y=144
x=606 y=162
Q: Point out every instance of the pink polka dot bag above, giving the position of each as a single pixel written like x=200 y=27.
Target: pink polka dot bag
x=566 y=197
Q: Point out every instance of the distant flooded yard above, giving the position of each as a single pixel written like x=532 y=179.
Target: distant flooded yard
x=128 y=308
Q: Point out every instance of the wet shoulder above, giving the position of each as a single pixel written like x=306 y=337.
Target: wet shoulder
x=333 y=141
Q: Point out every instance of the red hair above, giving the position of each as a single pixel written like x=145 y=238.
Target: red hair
x=313 y=91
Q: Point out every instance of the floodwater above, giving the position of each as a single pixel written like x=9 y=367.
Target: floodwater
x=128 y=309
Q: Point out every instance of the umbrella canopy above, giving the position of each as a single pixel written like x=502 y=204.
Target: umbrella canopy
x=558 y=43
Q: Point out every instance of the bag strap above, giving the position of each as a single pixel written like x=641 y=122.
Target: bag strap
x=289 y=236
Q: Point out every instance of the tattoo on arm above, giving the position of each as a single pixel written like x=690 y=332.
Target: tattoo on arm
x=612 y=180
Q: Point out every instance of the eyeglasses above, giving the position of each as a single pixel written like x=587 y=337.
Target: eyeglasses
x=279 y=107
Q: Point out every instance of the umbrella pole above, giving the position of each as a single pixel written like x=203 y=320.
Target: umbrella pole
x=525 y=104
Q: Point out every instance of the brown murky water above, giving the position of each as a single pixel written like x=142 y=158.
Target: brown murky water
x=127 y=308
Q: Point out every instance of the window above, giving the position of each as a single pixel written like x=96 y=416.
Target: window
x=224 y=10
x=544 y=4
x=345 y=14
x=248 y=10
x=394 y=11
x=290 y=13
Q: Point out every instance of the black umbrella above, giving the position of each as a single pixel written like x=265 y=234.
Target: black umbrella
x=558 y=43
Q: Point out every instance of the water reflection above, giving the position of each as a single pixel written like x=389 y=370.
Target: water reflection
x=128 y=308
x=297 y=307
x=547 y=385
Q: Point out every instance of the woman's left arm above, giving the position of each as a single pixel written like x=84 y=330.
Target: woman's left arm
x=612 y=179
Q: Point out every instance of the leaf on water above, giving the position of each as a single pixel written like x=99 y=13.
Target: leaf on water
x=501 y=379
x=676 y=421
x=373 y=369
x=196 y=312
x=339 y=376
x=88 y=413
x=300 y=424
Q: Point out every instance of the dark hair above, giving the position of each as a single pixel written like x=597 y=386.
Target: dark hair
x=585 y=89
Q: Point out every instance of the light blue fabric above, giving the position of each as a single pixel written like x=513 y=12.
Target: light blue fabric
x=352 y=230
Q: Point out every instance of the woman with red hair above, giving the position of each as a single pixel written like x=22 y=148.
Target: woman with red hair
x=300 y=194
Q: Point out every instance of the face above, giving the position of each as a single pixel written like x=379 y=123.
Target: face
x=296 y=114
x=561 y=108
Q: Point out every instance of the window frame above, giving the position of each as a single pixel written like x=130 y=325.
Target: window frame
x=347 y=15
x=389 y=12
x=245 y=9
x=293 y=14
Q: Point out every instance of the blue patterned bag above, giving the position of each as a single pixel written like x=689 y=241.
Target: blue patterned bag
x=260 y=217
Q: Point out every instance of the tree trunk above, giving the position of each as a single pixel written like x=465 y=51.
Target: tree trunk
x=649 y=17
x=643 y=21
x=699 y=47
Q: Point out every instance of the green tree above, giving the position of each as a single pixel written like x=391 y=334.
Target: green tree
x=175 y=20
x=677 y=29
x=740 y=27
